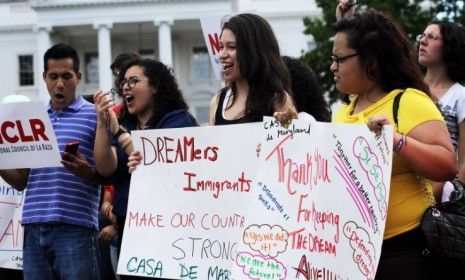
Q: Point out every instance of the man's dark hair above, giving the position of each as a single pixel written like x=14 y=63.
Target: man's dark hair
x=120 y=61
x=61 y=51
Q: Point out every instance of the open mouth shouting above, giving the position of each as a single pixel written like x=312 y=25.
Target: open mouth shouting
x=59 y=96
x=59 y=99
x=128 y=98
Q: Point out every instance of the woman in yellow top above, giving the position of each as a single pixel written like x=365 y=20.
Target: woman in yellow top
x=373 y=61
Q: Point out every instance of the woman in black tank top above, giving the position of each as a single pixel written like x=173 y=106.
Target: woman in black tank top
x=252 y=67
x=219 y=119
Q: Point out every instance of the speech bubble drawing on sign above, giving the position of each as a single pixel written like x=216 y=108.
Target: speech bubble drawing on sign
x=369 y=162
x=265 y=239
x=364 y=251
x=257 y=267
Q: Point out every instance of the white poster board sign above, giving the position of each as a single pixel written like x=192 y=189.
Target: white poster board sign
x=316 y=205
x=27 y=139
x=11 y=230
x=188 y=201
x=320 y=206
x=211 y=28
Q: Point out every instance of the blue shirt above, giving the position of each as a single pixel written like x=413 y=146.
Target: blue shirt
x=54 y=194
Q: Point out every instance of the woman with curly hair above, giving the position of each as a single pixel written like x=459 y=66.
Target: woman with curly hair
x=306 y=91
x=152 y=100
x=441 y=52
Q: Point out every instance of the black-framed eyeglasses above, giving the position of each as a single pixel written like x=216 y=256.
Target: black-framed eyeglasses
x=339 y=60
x=429 y=37
x=131 y=82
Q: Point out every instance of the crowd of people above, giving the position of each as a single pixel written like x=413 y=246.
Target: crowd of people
x=68 y=209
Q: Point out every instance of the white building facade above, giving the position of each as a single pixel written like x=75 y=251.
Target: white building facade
x=167 y=30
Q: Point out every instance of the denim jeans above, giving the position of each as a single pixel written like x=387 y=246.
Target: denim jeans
x=60 y=251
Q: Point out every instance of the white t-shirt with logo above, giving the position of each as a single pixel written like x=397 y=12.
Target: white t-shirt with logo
x=452 y=105
x=453 y=109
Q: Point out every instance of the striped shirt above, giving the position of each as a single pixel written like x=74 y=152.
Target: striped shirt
x=54 y=194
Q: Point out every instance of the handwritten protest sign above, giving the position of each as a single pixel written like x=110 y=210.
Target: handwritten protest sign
x=188 y=201
x=203 y=207
x=11 y=231
x=320 y=206
x=27 y=139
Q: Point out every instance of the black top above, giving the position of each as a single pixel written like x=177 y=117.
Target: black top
x=219 y=120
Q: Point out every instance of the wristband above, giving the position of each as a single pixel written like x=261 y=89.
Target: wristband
x=126 y=143
x=120 y=131
x=400 y=144
x=122 y=140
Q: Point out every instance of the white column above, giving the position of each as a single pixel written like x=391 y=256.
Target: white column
x=44 y=42
x=164 y=41
x=104 y=55
x=234 y=6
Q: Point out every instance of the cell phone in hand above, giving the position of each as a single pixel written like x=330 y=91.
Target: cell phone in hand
x=72 y=147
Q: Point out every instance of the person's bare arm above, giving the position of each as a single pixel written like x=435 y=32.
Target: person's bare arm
x=17 y=178
x=106 y=160
x=106 y=209
x=213 y=108
x=427 y=149
x=461 y=152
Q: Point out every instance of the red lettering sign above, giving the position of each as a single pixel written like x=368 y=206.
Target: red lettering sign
x=13 y=132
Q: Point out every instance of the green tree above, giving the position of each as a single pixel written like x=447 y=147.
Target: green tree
x=409 y=14
x=453 y=10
